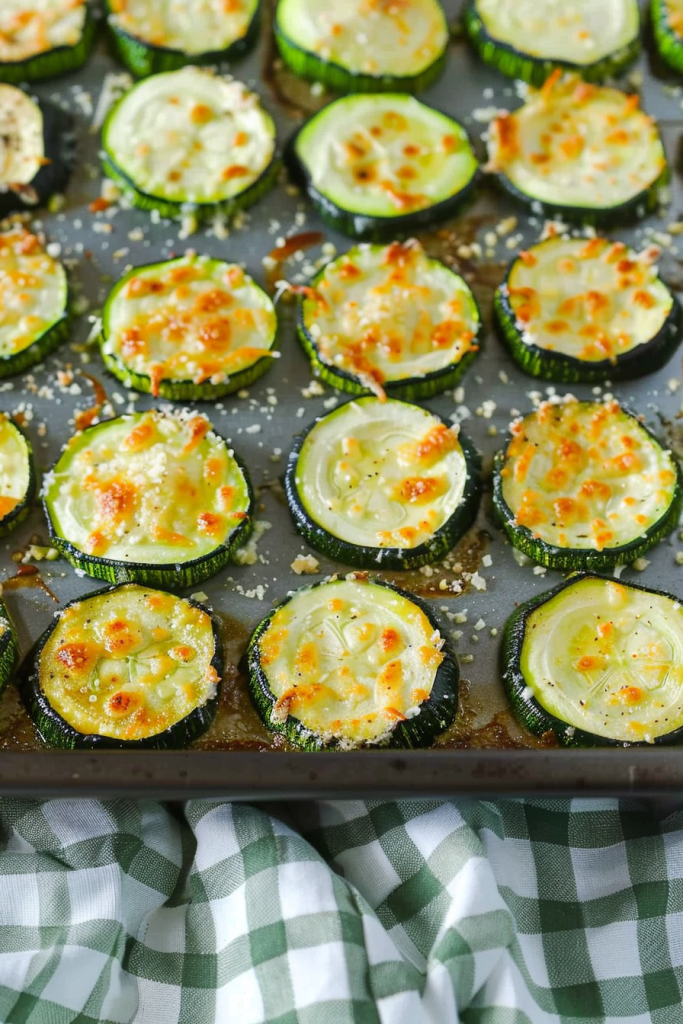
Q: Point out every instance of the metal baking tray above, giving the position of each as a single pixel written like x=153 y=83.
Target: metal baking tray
x=485 y=751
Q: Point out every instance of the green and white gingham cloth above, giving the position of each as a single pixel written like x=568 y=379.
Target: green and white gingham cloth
x=371 y=913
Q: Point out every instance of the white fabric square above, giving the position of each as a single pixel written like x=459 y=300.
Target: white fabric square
x=157 y=1003
x=121 y=998
x=429 y=830
x=139 y=901
x=378 y=945
x=505 y=987
x=370 y=870
x=613 y=950
x=672 y=852
x=240 y=1001
x=511 y=863
x=165 y=930
x=600 y=872
x=319 y=973
x=473 y=891
x=17 y=844
x=161 y=833
x=534 y=958
x=230 y=917
x=438 y=999
x=14 y=968
x=311 y=878
x=76 y=976
x=72 y=821
x=674 y=930
x=19 y=900
x=95 y=894
x=216 y=839
x=403 y=1008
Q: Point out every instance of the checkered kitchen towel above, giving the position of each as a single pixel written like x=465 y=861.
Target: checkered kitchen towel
x=372 y=913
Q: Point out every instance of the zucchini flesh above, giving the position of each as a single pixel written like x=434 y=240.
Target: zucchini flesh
x=353 y=662
x=596 y=662
x=382 y=483
x=125 y=667
x=151 y=497
x=667 y=25
x=574 y=309
x=192 y=328
x=361 y=47
x=154 y=36
x=583 y=485
x=379 y=164
x=388 y=319
x=528 y=39
x=190 y=139
x=33 y=302
x=586 y=152
x=17 y=476
x=44 y=38
x=34 y=151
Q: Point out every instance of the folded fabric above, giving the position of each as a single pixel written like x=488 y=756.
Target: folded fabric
x=373 y=913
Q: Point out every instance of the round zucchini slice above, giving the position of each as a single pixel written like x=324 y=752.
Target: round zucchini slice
x=585 y=310
x=43 y=39
x=389 y=320
x=377 y=166
x=34 y=156
x=17 y=476
x=364 y=47
x=584 y=485
x=587 y=153
x=33 y=302
x=193 y=328
x=149 y=498
x=529 y=39
x=153 y=36
x=125 y=667
x=353 y=663
x=597 y=662
x=382 y=484
x=667 y=25
x=190 y=140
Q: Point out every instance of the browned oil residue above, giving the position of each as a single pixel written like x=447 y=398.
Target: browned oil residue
x=281 y=253
x=28 y=576
x=464 y=558
x=86 y=417
x=500 y=732
x=442 y=243
x=17 y=731
x=293 y=94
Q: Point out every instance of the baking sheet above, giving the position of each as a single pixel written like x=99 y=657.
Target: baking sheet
x=100 y=247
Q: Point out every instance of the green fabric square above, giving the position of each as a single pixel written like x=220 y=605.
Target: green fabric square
x=385 y=818
x=547 y=826
x=258 y=856
x=268 y=942
x=413 y=895
x=662 y=990
x=559 y=916
x=651 y=898
x=579 y=1001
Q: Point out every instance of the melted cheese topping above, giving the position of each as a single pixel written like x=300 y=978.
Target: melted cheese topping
x=386 y=313
x=192 y=319
x=578 y=145
x=191 y=136
x=674 y=12
x=30 y=27
x=608 y=658
x=350 y=660
x=129 y=663
x=381 y=474
x=579 y=31
x=191 y=26
x=151 y=487
x=14 y=467
x=372 y=37
x=385 y=155
x=32 y=291
x=586 y=475
x=590 y=299
x=22 y=148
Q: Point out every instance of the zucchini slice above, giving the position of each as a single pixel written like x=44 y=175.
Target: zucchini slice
x=364 y=47
x=382 y=484
x=150 y=498
x=389 y=320
x=44 y=38
x=34 y=150
x=193 y=328
x=584 y=485
x=529 y=39
x=667 y=25
x=190 y=140
x=353 y=662
x=125 y=667
x=153 y=36
x=585 y=152
x=597 y=662
x=9 y=650
x=585 y=310
x=380 y=165
x=33 y=302
x=17 y=476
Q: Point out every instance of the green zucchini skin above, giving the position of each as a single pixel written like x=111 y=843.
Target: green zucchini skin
x=582 y=559
x=669 y=43
x=60 y=60
x=142 y=59
x=565 y=369
x=20 y=512
x=362 y=557
x=9 y=649
x=436 y=713
x=535 y=70
x=526 y=708
x=373 y=229
x=38 y=350
x=53 y=177
x=57 y=732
